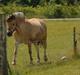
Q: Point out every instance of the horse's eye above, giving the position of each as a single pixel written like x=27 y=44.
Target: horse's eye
x=13 y=24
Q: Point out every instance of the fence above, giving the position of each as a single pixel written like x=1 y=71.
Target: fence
x=3 y=53
x=75 y=41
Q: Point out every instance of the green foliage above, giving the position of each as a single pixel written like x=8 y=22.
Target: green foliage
x=47 y=11
x=43 y=8
x=63 y=2
x=34 y=3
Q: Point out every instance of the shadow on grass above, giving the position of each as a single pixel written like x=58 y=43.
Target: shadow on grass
x=10 y=71
x=77 y=56
x=39 y=64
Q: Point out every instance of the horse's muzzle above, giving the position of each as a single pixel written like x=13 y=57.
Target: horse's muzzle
x=9 y=34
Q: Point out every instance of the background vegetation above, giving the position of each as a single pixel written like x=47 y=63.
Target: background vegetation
x=42 y=8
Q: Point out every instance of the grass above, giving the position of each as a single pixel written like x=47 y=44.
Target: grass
x=60 y=43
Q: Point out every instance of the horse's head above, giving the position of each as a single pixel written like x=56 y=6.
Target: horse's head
x=13 y=22
x=11 y=25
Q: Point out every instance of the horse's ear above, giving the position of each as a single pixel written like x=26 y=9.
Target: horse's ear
x=12 y=17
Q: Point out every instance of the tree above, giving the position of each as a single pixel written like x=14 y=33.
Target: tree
x=47 y=1
x=72 y=2
x=58 y=12
x=22 y=2
x=5 y=1
x=63 y=2
x=34 y=3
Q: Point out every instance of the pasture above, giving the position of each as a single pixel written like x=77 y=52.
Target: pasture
x=60 y=43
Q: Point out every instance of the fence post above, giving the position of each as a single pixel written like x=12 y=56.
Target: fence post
x=3 y=53
x=74 y=42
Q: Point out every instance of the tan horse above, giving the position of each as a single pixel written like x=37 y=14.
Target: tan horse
x=27 y=31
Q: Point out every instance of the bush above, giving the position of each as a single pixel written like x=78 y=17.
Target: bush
x=50 y=11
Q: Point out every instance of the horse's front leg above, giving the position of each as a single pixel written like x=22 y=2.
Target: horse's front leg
x=30 y=52
x=15 y=53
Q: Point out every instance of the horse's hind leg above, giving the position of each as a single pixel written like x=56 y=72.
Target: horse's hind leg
x=44 y=44
x=37 y=49
x=15 y=53
x=30 y=53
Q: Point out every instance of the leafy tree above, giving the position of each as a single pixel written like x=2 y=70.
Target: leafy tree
x=34 y=3
x=23 y=2
x=72 y=2
x=63 y=2
x=58 y=13
x=5 y=1
x=47 y=1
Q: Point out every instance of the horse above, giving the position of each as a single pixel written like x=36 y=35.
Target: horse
x=27 y=31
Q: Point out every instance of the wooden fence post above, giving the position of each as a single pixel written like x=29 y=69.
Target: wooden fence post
x=74 y=42
x=3 y=53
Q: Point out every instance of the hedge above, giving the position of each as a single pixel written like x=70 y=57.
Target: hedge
x=50 y=11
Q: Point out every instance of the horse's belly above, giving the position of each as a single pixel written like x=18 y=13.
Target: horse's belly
x=20 y=38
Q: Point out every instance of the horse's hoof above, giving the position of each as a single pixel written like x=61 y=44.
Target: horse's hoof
x=38 y=62
x=46 y=59
x=13 y=63
x=31 y=63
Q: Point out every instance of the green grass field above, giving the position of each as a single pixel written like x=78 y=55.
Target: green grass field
x=60 y=43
